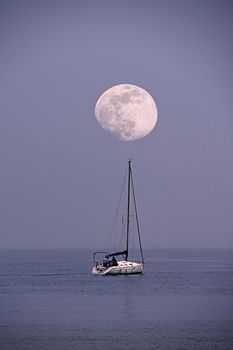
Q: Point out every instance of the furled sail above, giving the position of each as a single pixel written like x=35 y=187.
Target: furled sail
x=125 y=252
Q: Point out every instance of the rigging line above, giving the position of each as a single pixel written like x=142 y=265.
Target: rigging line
x=136 y=214
x=116 y=211
x=122 y=234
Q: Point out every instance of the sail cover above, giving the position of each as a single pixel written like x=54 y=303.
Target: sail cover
x=125 y=252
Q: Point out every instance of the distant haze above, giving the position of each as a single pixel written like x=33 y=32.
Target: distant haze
x=61 y=174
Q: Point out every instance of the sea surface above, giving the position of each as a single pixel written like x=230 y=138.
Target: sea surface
x=50 y=300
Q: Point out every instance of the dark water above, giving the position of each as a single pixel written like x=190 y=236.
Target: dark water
x=49 y=300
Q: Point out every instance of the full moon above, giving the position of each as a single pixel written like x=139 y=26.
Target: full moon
x=127 y=111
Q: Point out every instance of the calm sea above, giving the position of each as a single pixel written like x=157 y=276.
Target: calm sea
x=49 y=300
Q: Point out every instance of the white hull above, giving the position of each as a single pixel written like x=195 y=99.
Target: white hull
x=123 y=268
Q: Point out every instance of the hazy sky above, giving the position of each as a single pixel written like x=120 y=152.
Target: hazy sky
x=60 y=173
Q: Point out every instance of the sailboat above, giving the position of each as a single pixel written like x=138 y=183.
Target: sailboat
x=122 y=265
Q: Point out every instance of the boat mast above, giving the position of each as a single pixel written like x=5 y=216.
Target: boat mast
x=128 y=209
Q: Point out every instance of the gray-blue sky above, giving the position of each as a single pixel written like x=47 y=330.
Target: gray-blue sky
x=61 y=173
